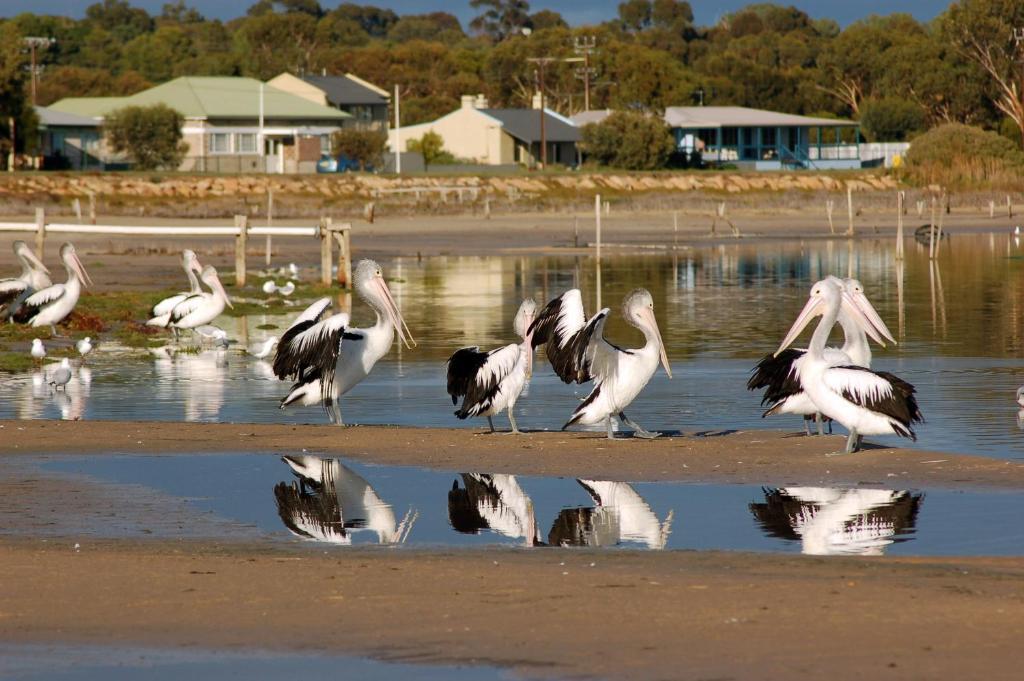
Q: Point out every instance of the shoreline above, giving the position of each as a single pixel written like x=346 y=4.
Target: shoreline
x=731 y=457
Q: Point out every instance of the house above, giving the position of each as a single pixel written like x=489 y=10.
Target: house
x=232 y=124
x=765 y=140
x=69 y=141
x=477 y=133
x=365 y=102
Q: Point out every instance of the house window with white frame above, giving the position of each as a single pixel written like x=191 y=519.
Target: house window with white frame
x=220 y=143
x=245 y=143
x=326 y=147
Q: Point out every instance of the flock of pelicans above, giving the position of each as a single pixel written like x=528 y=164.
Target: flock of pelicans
x=325 y=356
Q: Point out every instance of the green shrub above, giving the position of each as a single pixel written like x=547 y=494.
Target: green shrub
x=365 y=147
x=627 y=140
x=891 y=119
x=431 y=146
x=150 y=136
x=957 y=155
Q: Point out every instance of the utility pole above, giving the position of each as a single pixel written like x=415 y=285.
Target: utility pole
x=585 y=46
x=34 y=43
x=541 y=62
x=398 y=132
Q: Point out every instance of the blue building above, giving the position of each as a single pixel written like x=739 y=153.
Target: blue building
x=766 y=140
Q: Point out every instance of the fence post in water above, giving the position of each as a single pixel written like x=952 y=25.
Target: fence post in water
x=325 y=250
x=40 y=232
x=901 y=200
x=1009 y=207
x=76 y=205
x=931 y=232
x=830 y=206
x=270 y=223
x=920 y=208
x=241 y=243
x=487 y=208
x=369 y=211
x=675 y=229
x=991 y=210
x=849 y=210
x=938 y=238
x=597 y=217
x=575 y=231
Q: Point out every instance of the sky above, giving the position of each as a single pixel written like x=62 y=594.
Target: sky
x=575 y=11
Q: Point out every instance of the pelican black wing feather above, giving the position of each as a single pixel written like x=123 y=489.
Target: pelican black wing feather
x=477 y=377
x=463 y=367
x=899 y=403
x=777 y=376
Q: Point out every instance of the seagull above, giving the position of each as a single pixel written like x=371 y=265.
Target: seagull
x=287 y=289
x=489 y=382
x=61 y=375
x=264 y=348
x=269 y=286
x=38 y=350
x=579 y=352
x=84 y=347
x=216 y=335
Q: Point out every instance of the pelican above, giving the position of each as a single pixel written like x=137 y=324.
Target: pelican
x=493 y=502
x=38 y=351
x=61 y=376
x=161 y=312
x=340 y=504
x=489 y=382
x=84 y=347
x=865 y=402
x=325 y=357
x=578 y=352
x=34 y=277
x=620 y=514
x=201 y=308
x=50 y=305
x=781 y=374
x=838 y=521
x=1020 y=396
x=264 y=348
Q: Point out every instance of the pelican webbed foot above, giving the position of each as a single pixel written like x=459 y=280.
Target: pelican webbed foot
x=638 y=430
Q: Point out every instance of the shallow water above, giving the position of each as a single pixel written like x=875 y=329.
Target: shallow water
x=98 y=663
x=720 y=308
x=338 y=502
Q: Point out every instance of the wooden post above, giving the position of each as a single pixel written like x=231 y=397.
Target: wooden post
x=369 y=210
x=343 y=235
x=40 y=232
x=849 y=210
x=991 y=210
x=575 y=231
x=931 y=232
x=920 y=208
x=675 y=229
x=241 y=243
x=830 y=206
x=487 y=208
x=900 y=204
x=270 y=223
x=1009 y=207
x=92 y=208
x=76 y=205
x=597 y=217
x=938 y=237
x=325 y=250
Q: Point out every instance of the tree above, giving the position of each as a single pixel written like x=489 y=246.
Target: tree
x=366 y=147
x=119 y=18
x=149 y=135
x=635 y=15
x=891 y=119
x=431 y=147
x=546 y=18
x=501 y=18
x=628 y=140
x=983 y=31
x=179 y=13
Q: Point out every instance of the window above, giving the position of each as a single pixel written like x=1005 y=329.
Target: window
x=245 y=143
x=325 y=144
x=220 y=143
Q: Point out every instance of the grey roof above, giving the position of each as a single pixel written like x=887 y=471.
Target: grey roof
x=50 y=118
x=344 y=91
x=738 y=116
x=524 y=125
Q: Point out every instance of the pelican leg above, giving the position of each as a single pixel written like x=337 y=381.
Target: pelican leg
x=490 y=423
x=817 y=419
x=853 y=443
x=830 y=427
x=608 y=423
x=807 y=426
x=512 y=419
x=336 y=413
x=638 y=430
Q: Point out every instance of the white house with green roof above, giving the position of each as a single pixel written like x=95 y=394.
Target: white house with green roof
x=233 y=124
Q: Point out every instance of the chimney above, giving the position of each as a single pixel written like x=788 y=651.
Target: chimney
x=468 y=101
x=481 y=102
x=535 y=104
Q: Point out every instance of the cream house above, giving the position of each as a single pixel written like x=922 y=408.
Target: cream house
x=479 y=134
x=366 y=103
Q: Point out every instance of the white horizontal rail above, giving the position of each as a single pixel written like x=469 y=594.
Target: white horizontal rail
x=160 y=230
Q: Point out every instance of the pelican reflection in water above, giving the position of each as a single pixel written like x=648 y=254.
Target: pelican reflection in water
x=829 y=521
x=330 y=502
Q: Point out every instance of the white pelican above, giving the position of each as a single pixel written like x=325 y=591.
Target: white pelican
x=831 y=521
x=61 y=376
x=38 y=351
x=261 y=351
x=340 y=504
x=325 y=357
x=161 y=312
x=34 y=277
x=201 y=308
x=489 y=382
x=781 y=374
x=578 y=352
x=864 y=401
x=620 y=514
x=84 y=347
x=493 y=502
x=1020 y=396
x=48 y=306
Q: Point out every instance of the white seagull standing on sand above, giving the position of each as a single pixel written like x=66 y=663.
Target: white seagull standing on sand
x=325 y=357
x=579 y=353
x=489 y=382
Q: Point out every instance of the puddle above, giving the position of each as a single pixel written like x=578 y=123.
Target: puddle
x=720 y=309
x=96 y=663
x=342 y=503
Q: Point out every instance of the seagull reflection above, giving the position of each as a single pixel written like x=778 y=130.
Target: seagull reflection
x=330 y=503
x=831 y=521
x=620 y=515
x=75 y=396
x=492 y=502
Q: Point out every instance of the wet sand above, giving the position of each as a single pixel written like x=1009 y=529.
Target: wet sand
x=546 y=613
x=748 y=457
